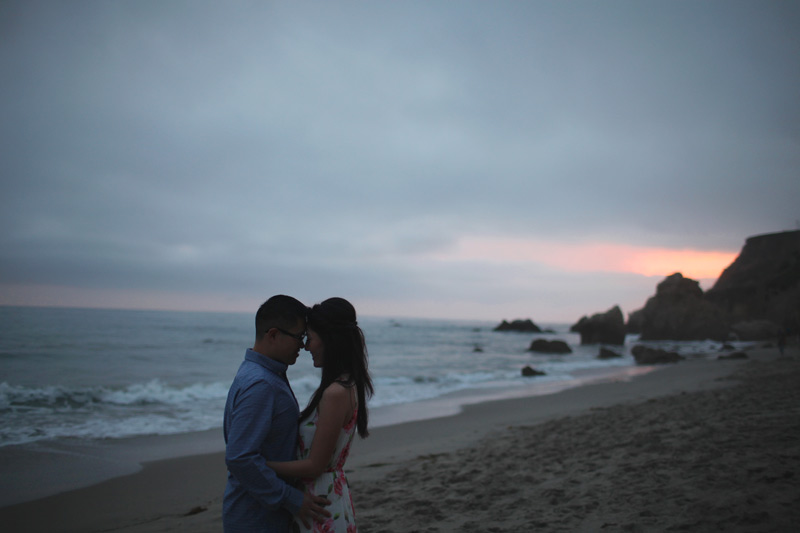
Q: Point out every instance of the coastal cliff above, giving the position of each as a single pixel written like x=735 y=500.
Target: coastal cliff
x=756 y=297
x=763 y=283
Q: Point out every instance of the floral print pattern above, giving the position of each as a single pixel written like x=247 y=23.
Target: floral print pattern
x=332 y=483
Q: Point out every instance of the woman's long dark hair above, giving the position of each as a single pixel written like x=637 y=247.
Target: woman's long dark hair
x=345 y=352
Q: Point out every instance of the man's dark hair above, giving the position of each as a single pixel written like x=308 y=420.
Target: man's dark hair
x=280 y=311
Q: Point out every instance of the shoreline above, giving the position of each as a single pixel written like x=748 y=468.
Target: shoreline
x=185 y=492
x=46 y=468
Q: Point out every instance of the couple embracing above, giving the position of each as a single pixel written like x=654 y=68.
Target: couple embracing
x=286 y=467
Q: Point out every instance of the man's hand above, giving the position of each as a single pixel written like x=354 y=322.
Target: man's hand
x=313 y=509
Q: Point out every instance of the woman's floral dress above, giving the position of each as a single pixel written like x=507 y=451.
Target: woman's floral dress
x=332 y=483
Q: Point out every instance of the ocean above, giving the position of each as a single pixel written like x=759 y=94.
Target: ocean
x=90 y=374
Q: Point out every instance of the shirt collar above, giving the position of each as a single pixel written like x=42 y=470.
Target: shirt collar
x=268 y=363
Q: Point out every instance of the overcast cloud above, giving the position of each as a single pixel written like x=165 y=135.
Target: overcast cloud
x=217 y=153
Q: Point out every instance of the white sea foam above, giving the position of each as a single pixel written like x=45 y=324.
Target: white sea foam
x=37 y=413
x=92 y=374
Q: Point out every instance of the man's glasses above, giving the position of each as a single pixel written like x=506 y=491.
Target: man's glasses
x=296 y=336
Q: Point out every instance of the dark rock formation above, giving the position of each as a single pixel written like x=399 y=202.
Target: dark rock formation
x=526 y=326
x=754 y=330
x=678 y=311
x=605 y=353
x=545 y=346
x=763 y=283
x=602 y=328
x=530 y=372
x=645 y=355
x=753 y=299
x=635 y=320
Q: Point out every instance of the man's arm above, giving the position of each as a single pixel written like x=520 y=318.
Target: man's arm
x=335 y=409
x=250 y=421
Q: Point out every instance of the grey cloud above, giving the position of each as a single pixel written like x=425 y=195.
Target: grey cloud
x=313 y=138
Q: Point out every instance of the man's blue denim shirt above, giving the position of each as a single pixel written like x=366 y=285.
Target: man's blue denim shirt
x=260 y=424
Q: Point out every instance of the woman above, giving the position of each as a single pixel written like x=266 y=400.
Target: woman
x=335 y=412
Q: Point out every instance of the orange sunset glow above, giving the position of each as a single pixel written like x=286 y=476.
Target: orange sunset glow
x=594 y=257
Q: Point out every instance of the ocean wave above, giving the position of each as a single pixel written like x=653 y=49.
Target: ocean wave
x=29 y=414
x=155 y=391
x=107 y=427
x=407 y=389
x=151 y=392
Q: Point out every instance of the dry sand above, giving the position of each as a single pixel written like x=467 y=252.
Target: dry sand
x=698 y=446
x=726 y=459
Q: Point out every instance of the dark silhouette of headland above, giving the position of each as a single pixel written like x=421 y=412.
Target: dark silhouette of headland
x=757 y=297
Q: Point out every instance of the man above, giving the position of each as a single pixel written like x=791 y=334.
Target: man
x=260 y=424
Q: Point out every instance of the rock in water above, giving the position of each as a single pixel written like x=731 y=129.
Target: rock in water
x=530 y=372
x=545 y=346
x=526 y=326
x=605 y=353
x=654 y=356
x=602 y=328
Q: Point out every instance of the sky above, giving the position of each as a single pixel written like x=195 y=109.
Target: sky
x=476 y=160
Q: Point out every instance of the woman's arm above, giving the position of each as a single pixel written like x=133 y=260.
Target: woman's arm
x=335 y=409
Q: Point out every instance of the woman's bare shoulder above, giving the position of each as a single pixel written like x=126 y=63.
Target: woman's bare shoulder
x=336 y=391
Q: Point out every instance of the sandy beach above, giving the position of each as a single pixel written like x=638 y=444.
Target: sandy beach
x=703 y=445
